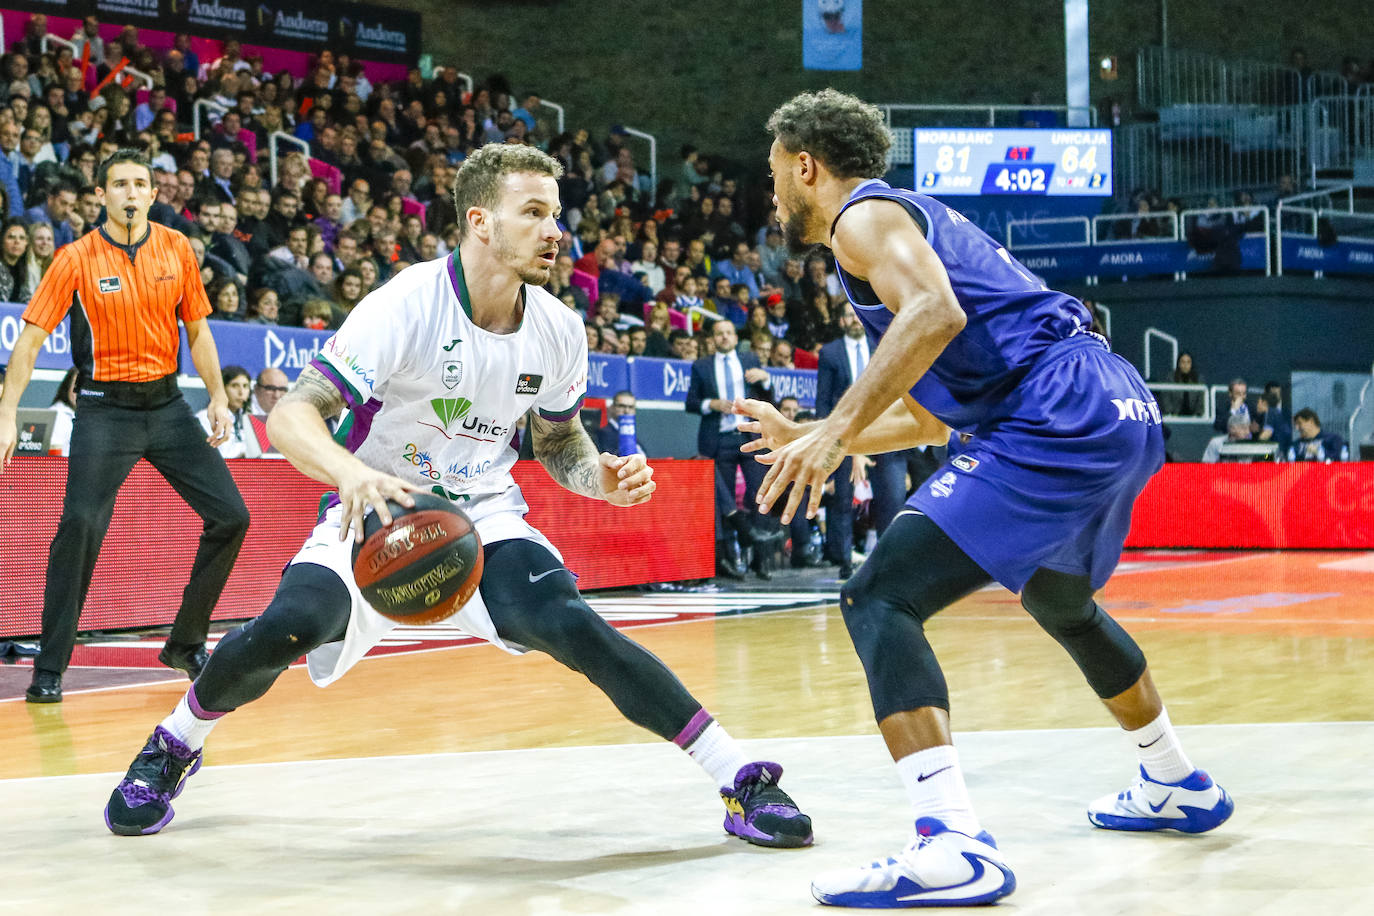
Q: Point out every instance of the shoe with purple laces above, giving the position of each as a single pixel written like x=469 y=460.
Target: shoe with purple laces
x=759 y=812
x=142 y=802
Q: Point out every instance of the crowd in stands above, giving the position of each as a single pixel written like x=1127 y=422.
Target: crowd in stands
x=372 y=197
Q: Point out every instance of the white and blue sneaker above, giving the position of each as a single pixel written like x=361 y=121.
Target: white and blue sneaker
x=1193 y=805
x=941 y=867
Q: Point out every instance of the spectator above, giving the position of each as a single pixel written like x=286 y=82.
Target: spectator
x=1183 y=403
x=560 y=282
x=318 y=315
x=1311 y=444
x=61 y=201
x=687 y=297
x=781 y=356
x=1234 y=406
x=42 y=246
x=773 y=256
x=638 y=339
x=224 y=296
x=369 y=272
x=608 y=437
x=684 y=345
x=761 y=345
x=242 y=443
x=778 y=321
x=737 y=268
x=648 y=269
x=271 y=384
x=1237 y=430
x=263 y=306
x=295 y=251
x=791 y=283
x=657 y=329
x=348 y=290
x=1271 y=421
x=64 y=405
x=18 y=270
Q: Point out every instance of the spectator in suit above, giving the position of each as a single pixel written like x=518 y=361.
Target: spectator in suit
x=716 y=381
x=1271 y=419
x=608 y=436
x=1314 y=445
x=1233 y=406
x=841 y=361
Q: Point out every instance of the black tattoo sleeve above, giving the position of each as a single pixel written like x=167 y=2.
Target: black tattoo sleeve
x=567 y=453
x=313 y=388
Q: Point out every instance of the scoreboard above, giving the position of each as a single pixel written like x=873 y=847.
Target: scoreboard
x=1053 y=162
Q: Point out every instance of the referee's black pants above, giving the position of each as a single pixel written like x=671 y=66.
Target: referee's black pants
x=115 y=427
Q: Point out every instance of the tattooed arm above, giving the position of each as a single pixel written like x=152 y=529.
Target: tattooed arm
x=570 y=457
x=297 y=428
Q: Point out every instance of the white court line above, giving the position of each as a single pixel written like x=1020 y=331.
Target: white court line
x=587 y=748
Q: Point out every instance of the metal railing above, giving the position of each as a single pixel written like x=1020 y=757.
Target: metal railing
x=903 y=118
x=1208 y=402
x=1360 y=429
x=145 y=78
x=1171 y=340
x=197 y=108
x=653 y=159
x=1234 y=213
x=1168 y=217
x=1169 y=76
x=1012 y=224
x=558 y=110
x=1308 y=217
x=272 y=139
x=1340 y=131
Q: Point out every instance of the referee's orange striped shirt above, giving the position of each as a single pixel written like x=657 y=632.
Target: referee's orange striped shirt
x=124 y=302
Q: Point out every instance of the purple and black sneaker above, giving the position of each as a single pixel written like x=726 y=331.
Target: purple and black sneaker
x=142 y=802
x=759 y=812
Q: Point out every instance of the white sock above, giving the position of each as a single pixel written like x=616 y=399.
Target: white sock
x=718 y=754
x=188 y=727
x=935 y=784
x=1159 y=751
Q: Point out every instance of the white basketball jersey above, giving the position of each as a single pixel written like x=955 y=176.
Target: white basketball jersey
x=434 y=398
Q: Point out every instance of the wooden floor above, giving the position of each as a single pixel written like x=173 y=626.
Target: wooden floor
x=465 y=779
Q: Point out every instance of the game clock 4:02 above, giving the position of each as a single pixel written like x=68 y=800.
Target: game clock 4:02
x=1055 y=162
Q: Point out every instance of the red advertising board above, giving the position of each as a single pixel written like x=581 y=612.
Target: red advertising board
x=152 y=538
x=1328 y=506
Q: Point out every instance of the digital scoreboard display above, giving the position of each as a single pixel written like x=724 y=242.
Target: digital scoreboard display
x=1053 y=162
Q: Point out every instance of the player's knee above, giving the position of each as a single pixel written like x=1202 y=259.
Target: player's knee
x=230 y=524
x=1059 y=602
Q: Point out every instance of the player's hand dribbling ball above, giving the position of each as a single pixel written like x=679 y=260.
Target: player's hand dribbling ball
x=424 y=566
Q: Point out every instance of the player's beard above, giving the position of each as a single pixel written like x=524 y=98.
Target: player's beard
x=533 y=274
x=799 y=213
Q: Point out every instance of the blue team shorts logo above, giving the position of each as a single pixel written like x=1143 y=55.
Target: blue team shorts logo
x=110 y=285
x=964 y=462
x=944 y=485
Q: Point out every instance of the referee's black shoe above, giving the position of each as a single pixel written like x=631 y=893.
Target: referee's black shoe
x=188 y=657
x=46 y=687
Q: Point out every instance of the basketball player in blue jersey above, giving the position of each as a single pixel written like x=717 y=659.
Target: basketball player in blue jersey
x=1065 y=435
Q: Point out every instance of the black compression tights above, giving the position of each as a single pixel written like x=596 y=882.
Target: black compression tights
x=546 y=613
x=915 y=571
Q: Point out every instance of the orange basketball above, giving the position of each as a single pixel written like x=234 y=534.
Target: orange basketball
x=424 y=566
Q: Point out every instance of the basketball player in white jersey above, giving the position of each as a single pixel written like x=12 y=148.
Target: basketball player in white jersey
x=435 y=369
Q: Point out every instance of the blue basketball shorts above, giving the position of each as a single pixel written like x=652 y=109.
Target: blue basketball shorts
x=1049 y=480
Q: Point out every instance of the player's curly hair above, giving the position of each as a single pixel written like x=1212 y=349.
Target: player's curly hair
x=847 y=134
x=479 y=178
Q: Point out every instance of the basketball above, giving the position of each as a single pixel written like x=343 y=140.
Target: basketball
x=424 y=566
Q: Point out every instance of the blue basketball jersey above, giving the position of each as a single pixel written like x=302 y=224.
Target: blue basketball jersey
x=1011 y=316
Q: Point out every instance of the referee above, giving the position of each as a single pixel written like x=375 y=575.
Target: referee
x=126 y=285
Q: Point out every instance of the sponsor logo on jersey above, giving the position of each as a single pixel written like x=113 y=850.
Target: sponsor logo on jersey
x=964 y=462
x=1136 y=409
x=944 y=486
x=110 y=285
x=452 y=374
x=453 y=343
x=528 y=384
x=458 y=412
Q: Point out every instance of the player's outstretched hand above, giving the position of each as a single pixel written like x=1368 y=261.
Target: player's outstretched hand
x=804 y=462
x=773 y=428
x=221 y=422
x=626 y=481
x=361 y=487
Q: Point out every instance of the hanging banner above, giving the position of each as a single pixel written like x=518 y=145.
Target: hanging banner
x=833 y=34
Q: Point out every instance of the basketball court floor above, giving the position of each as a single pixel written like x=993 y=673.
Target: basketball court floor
x=445 y=776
